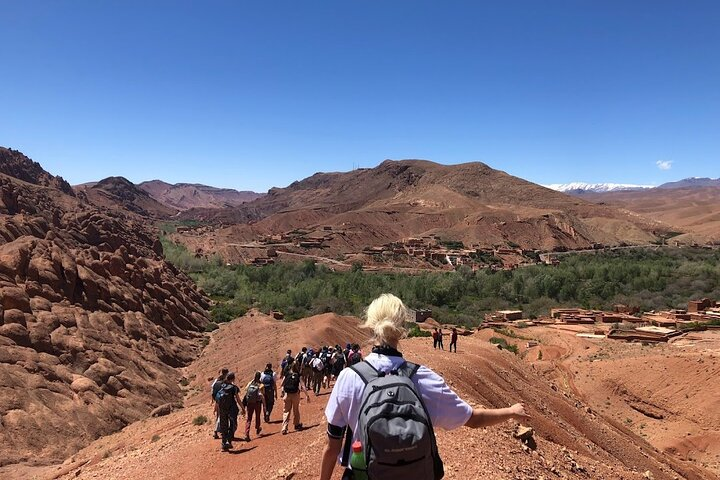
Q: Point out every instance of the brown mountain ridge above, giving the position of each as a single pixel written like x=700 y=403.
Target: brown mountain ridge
x=470 y=202
x=183 y=196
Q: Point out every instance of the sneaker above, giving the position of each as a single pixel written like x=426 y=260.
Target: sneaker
x=215 y=435
x=298 y=426
x=226 y=447
x=247 y=438
x=284 y=432
x=258 y=430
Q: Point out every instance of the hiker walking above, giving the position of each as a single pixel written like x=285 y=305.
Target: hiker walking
x=291 y=387
x=435 y=338
x=269 y=381
x=453 y=339
x=338 y=362
x=317 y=366
x=228 y=405
x=404 y=406
x=346 y=353
x=306 y=372
x=327 y=366
x=214 y=387
x=355 y=355
x=286 y=363
x=440 y=339
x=253 y=400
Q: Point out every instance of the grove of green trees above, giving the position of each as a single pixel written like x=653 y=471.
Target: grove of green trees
x=647 y=278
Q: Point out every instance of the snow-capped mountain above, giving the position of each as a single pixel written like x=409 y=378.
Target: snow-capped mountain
x=578 y=187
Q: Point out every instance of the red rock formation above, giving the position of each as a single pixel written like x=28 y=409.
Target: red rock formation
x=92 y=320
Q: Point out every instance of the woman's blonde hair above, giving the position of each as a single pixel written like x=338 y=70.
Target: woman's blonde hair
x=386 y=316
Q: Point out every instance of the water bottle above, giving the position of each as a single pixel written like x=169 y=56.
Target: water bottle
x=357 y=462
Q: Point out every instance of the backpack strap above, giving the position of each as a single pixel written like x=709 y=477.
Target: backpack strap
x=345 y=459
x=408 y=369
x=365 y=371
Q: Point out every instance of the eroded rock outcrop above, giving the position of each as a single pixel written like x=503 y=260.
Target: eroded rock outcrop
x=92 y=319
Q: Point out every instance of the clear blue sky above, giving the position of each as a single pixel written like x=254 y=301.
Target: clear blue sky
x=251 y=95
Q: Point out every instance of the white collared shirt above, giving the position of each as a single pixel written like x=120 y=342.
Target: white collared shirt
x=446 y=409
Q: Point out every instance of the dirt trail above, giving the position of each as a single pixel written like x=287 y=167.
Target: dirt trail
x=572 y=441
x=666 y=393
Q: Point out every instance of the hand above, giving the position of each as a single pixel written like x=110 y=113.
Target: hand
x=518 y=412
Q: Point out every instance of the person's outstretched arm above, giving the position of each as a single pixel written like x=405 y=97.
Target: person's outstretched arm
x=482 y=417
x=329 y=457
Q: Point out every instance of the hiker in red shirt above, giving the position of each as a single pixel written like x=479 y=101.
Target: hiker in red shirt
x=453 y=339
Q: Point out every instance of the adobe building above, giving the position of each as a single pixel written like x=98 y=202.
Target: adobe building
x=697 y=306
x=559 y=312
x=509 y=315
x=422 y=314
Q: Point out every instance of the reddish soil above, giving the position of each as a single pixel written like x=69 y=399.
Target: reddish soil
x=573 y=440
x=665 y=393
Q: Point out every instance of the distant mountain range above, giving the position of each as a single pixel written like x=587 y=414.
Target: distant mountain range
x=693 y=182
x=579 y=188
x=183 y=196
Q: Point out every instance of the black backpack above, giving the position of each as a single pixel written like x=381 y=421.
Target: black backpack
x=394 y=426
x=253 y=393
x=225 y=397
x=292 y=383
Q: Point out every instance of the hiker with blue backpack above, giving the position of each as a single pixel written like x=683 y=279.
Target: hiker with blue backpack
x=386 y=409
x=214 y=387
x=228 y=404
x=269 y=381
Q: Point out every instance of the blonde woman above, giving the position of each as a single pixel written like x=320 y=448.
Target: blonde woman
x=386 y=317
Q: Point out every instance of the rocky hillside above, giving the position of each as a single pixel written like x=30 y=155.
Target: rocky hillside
x=183 y=196
x=119 y=193
x=17 y=165
x=471 y=202
x=693 y=213
x=92 y=320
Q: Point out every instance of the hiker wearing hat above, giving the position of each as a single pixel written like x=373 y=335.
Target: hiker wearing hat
x=403 y=403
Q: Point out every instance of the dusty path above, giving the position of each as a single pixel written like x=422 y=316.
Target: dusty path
x=572 y=441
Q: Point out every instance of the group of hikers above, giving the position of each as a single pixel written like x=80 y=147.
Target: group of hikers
x=382 y=411
x=311 y=369
x=438 y=335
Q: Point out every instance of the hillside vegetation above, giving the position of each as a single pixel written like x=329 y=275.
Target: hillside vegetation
x=649 y=279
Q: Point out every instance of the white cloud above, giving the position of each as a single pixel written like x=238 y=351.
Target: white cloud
x=664 y=164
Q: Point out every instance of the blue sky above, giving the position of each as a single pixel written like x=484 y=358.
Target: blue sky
x=251 y=95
